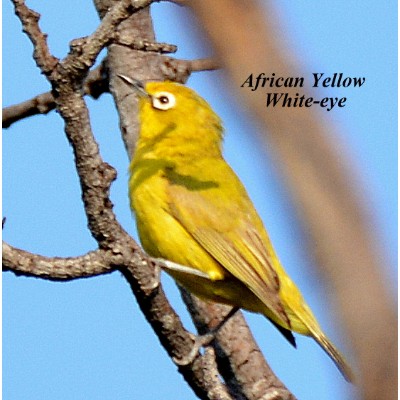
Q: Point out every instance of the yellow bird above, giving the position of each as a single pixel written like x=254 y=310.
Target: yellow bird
x=192 y=210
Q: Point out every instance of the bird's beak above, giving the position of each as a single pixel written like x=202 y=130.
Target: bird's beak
x=137 y=85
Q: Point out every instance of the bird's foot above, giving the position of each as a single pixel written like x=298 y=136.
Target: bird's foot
x=204 y=340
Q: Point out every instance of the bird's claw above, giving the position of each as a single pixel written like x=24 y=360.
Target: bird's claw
x=154 y=281
x=199 y=342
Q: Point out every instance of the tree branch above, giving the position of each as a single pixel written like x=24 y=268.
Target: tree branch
x=95 y=179
x=143 y=45
x=55 y=268
x=240 y=360
x=217 y=390
x=30 y=24
x=179 y=70
x=40 y=104
x=95 y=84
x=86 y=50
x=202 y=64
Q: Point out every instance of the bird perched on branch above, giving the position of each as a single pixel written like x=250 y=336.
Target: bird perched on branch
x=193 y=211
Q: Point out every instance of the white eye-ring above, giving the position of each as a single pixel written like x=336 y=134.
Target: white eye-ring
x=163 y=100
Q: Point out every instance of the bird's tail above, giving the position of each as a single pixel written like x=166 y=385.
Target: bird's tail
x=335 y=355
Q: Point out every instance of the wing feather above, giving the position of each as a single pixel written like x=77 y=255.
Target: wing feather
x=231 y=236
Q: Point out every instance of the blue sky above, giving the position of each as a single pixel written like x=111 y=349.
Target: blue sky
x=87 y=338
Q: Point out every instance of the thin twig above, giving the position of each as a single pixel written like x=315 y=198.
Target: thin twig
x=143 y=45
x=40 y=104
x=85 y=50
x=30 y=23
x=203 y=64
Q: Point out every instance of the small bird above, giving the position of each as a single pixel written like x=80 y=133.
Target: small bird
x=192 y=210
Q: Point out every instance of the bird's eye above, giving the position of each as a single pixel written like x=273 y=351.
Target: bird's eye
x=163 y=100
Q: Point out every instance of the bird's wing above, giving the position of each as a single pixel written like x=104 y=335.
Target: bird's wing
x=233 y=234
